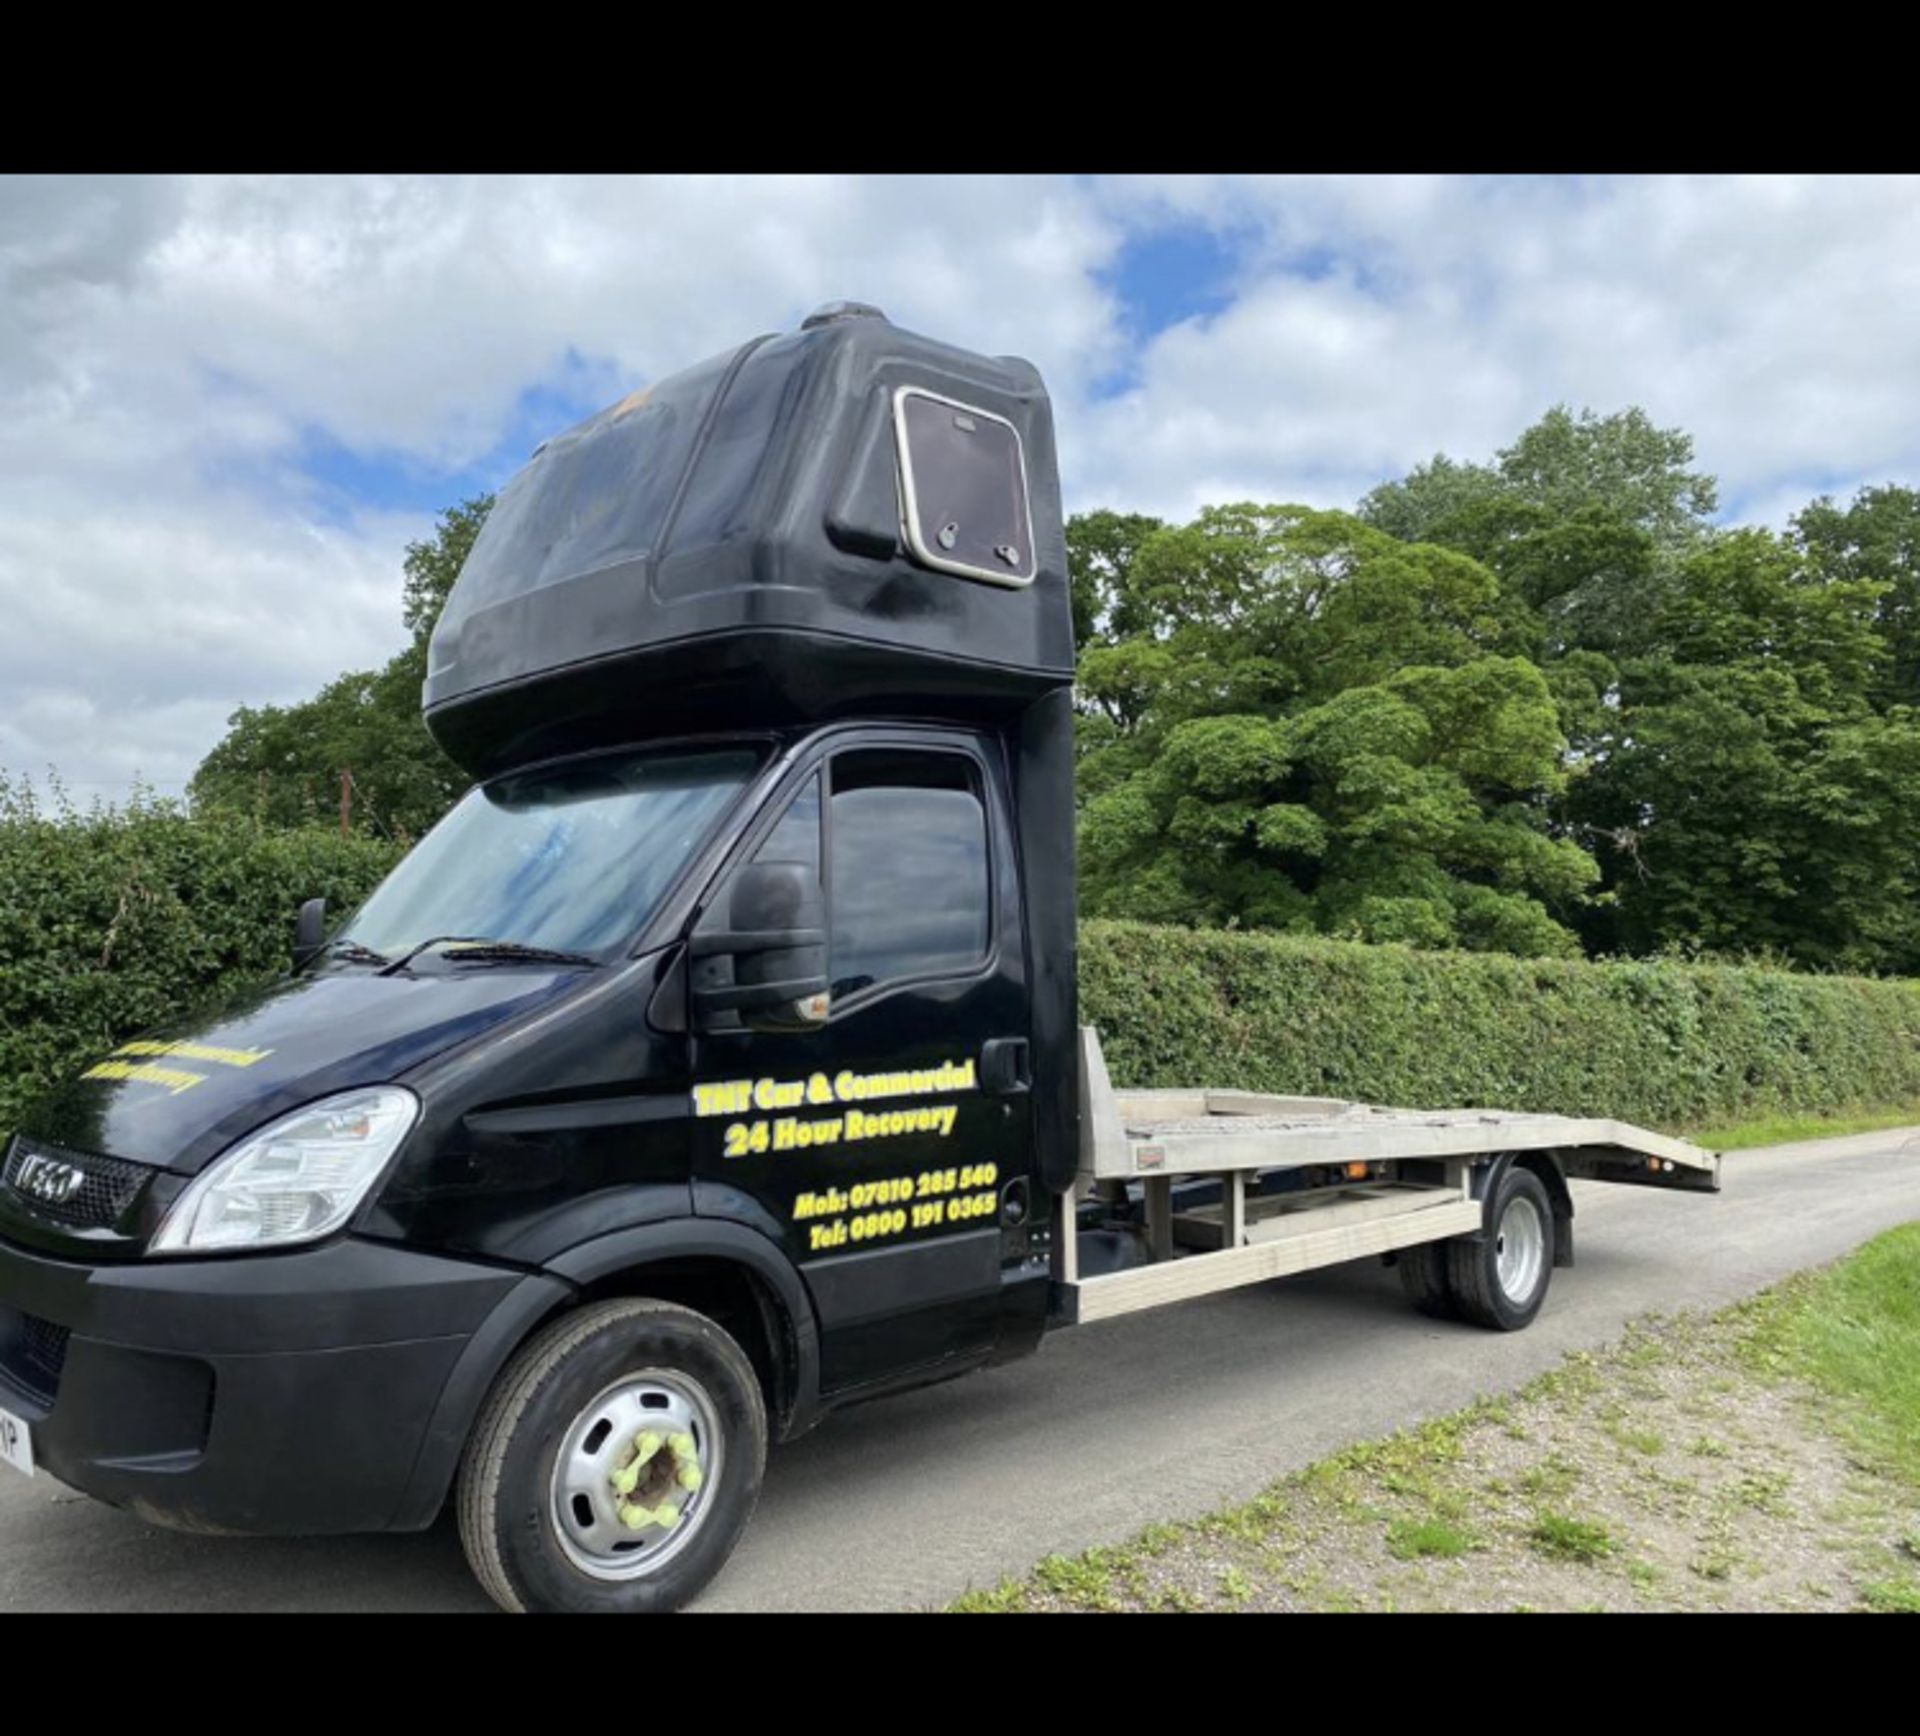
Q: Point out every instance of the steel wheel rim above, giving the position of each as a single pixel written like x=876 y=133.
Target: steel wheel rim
x=600 y=1441
x=1520 y=1249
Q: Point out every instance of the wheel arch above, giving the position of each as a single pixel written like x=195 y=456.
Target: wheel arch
x=1545 y=1165
x=727 y=1271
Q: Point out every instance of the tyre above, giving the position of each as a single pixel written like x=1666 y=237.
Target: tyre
x=1499 y=1278
x=1423 y=1275
x=615 y=1463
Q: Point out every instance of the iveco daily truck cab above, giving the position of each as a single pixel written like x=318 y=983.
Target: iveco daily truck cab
x=715 y=1061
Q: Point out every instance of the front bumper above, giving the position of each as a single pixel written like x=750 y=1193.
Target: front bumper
x=317 y=1390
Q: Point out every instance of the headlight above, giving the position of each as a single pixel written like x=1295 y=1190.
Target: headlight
x=297 y=1179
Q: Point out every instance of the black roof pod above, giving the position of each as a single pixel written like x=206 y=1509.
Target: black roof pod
x=848 y=519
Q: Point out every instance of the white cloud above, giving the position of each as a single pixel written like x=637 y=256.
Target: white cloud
x=1379 y=320
x=168 y=349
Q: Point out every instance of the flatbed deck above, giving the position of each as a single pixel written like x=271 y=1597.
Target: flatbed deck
x=1377 y=1180
x=1183 y=1132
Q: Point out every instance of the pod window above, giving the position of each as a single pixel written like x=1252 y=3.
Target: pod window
x=963 y=489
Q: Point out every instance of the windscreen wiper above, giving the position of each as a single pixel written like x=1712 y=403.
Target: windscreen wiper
x=480 y=946
x=360 y=954
x=517 y=949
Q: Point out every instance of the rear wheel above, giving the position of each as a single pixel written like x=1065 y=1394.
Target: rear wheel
x=1499 y=1279
x=1423 y=1275
x=615 y=1464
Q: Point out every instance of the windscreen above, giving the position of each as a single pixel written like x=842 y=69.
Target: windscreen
x=574 y=857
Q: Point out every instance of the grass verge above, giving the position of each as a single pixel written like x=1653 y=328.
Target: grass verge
x=1853 y=1331
x=1784 y=1129
x=1764 y=1457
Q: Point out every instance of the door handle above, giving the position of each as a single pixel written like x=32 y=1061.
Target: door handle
x=1004 y=1066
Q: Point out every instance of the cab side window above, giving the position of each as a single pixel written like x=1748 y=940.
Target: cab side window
x=908 y=890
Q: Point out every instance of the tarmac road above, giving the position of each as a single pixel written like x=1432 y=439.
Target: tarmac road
x=908 y=1502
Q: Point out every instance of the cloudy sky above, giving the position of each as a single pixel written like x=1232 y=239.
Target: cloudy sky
x=225 y=406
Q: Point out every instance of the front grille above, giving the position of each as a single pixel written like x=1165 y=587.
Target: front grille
x=33 y=1353
x=42 y=1177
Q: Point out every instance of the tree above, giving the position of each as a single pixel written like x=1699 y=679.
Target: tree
x=1563 y=463
x=1309 y=725
x=1745 y=793
x=1100 y=550
x=431 y=566
x=1736 y=704
x=1431 y=496
x=283 y=763
x=1620 y=462
x=1583 y=519
x=1877 y=537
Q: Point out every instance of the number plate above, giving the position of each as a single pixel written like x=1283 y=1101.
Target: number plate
x=16 y=1442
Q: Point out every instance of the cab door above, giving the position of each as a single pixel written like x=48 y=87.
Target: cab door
x=889 y=1147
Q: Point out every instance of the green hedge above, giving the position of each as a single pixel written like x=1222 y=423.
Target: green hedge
x=113 y=921
x=1663 y=1044
x=110 y=922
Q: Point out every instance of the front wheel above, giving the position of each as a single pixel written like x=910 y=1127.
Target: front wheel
x=616 y=1463
x=1499 y=1278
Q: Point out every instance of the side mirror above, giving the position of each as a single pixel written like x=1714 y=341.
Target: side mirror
x=759 y=957
x=310 y=933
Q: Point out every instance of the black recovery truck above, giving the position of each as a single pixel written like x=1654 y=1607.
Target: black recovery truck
x=715 y=1061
